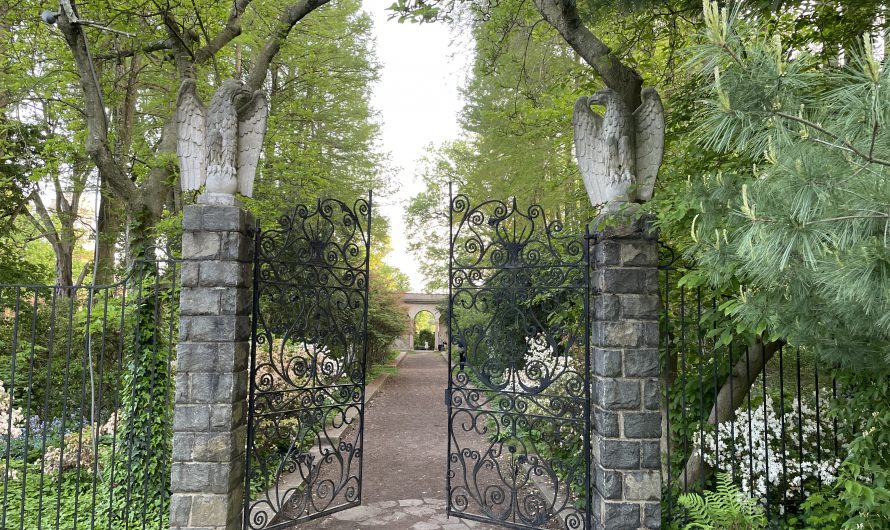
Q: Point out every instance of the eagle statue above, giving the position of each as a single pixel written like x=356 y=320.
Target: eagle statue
x=619 y=153
x=220 y=145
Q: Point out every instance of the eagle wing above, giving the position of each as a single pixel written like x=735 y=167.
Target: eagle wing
x=190 y=138
x=649 y=118
x=251 y=130
x=591 y=150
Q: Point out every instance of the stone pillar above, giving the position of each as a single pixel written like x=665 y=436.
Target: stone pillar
x=625 y=380
x=209 y=418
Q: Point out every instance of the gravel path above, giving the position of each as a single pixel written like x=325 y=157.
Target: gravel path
x=404 y=454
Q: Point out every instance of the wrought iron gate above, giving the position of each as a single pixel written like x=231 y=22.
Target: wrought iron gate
x=307 y=384
x=519 y=386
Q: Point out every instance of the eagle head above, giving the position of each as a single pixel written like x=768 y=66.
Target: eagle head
x=602 y=97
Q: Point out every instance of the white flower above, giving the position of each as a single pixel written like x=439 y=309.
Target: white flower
x=766 y=456
x=11 y=418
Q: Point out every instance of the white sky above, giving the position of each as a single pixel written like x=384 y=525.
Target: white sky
x=418 y=100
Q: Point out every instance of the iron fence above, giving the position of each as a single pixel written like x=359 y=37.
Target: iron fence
x=756 y=410
x=86 y=401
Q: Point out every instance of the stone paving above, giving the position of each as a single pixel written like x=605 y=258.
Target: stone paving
x=413 y=514
x=405 y=455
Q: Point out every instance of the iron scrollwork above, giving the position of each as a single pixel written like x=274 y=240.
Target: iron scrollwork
x=519 y=388
x=308 y=355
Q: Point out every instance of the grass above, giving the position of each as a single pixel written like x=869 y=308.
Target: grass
x=385 y=366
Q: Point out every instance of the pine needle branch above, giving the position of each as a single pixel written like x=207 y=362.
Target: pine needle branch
x=846 y=144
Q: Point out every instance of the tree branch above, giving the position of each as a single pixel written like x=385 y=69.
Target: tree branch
x=148 y=48
x=97 y=123
x=842 y=143
x=45 y=223
x=730 y=397
x=563 y=15
x=288 y=19
x=231 y=30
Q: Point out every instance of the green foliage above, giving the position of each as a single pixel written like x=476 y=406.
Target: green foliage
x=863 y=484
x=822 y=510
x=386 y=318
x=725 y=508
x=801 y=222
x=145 y=433
x=523 y=80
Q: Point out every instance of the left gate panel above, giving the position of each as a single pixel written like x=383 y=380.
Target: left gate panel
x=306 y=407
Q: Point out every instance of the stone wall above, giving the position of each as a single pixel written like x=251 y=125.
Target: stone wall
x=625 y=379
x=209 y=419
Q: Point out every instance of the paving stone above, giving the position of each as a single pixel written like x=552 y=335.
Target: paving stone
x=420 y=511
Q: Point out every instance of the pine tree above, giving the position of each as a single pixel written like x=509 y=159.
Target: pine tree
x=803 y=222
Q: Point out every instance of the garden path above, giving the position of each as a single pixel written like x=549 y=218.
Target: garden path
x=405 y=446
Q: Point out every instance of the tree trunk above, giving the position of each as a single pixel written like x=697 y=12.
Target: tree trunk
x=108 y=232
x=64 y=265
x=563 y=16
x=732 y=394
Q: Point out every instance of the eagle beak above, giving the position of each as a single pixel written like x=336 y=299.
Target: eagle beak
x=598 y=98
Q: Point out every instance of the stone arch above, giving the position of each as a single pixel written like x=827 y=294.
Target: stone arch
x=414 y=304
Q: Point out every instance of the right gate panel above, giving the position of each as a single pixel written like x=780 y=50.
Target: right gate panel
x=519 y=390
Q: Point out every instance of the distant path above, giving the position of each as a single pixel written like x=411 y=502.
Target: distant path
x=404 y=454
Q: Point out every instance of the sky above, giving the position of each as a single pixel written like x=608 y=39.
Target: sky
x=418 y=100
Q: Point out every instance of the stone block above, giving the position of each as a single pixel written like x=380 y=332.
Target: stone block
x=626 y=280
x=217 y=218
x=619 y=454
x=189 y=273
x=190 y=417
x=224 y=417
x=607 y=252
x=621 y=516
x=652 y=515
x=225 y=274
x=211 y=510
x=652 y=394
x=200 y=245
x=642 y=485
x=619 y=394
x=183 y=443
x=181 y=387
x=606 y=363
x=180 y=509
x=642 y=424
x=235 y=301
x=188 y=477
x=236 y=246
x=212 y=356
x=605 y=423
x=597 y=511
x=639 y=253
x=620 y=334
x=608 y=483
x=638 y=306
x=606 y=307
x=650 y=336
x=191 y=217
x=650 y=455
x=211 y=387
x=199 y=301
x=217 y=328
x=641 y=362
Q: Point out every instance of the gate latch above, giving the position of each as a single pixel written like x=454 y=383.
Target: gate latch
x=447 y=398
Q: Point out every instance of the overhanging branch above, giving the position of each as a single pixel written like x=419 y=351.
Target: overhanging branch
x=288 y=19
x=563 y=16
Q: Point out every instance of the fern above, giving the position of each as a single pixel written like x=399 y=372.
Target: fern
x=725 y=508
